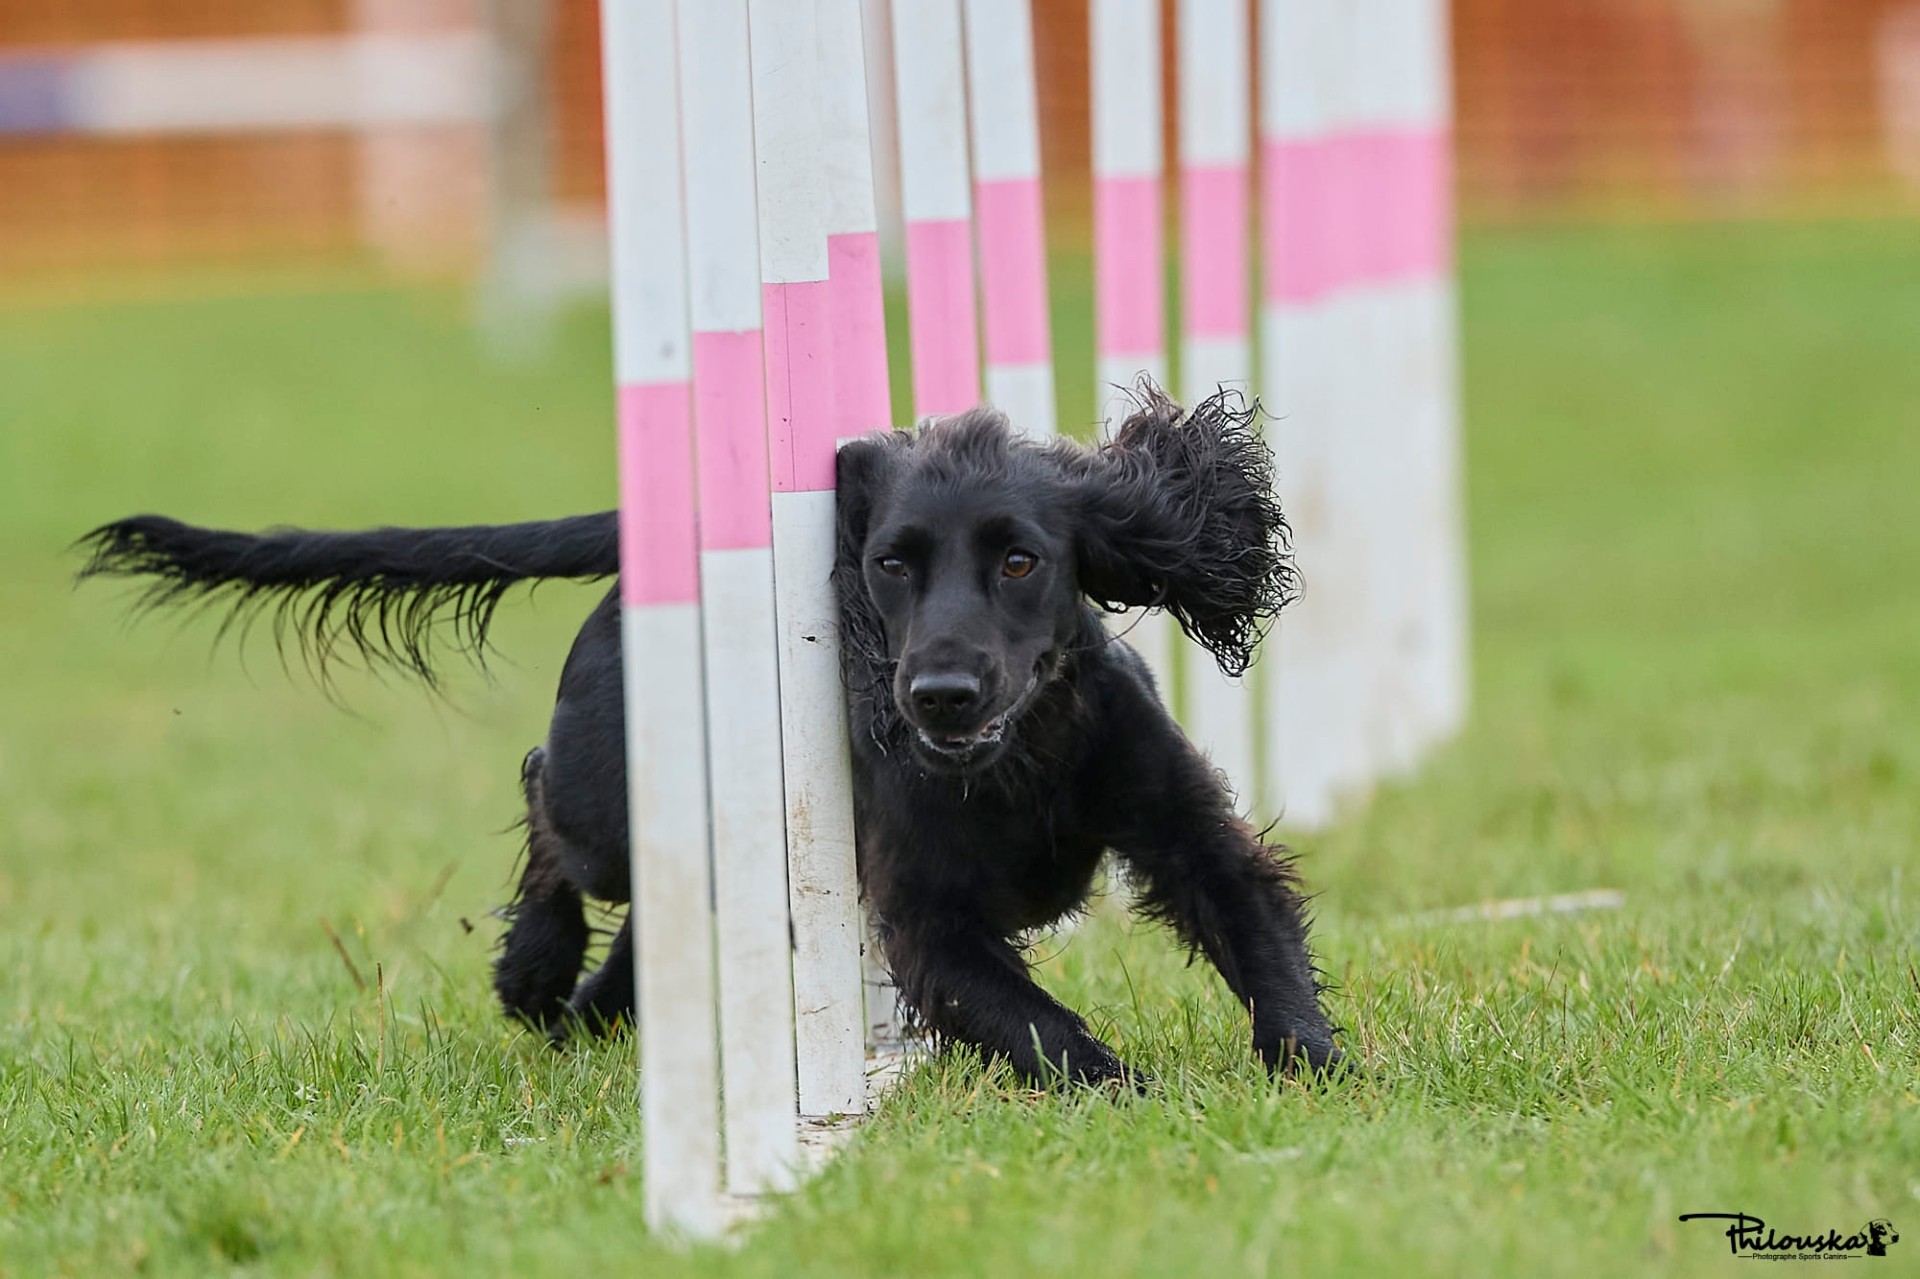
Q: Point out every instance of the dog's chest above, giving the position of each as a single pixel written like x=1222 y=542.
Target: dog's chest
x=1013 y=864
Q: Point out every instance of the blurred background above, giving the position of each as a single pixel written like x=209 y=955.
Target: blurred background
x=460 y=139
x=341 y=263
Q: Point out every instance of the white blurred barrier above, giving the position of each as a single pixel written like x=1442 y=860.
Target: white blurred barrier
x=259 y=84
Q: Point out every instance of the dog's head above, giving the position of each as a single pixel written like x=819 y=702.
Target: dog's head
x=966 y=555
x=1881 y=1231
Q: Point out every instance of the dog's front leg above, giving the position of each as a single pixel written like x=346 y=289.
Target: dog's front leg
x=974 y=988
x=1207 y=875
x=1231 y=898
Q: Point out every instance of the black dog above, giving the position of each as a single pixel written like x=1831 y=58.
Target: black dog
x=1002 y=741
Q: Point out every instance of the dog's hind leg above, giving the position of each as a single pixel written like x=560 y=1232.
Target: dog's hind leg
x=604 y=1001
x=541 y=954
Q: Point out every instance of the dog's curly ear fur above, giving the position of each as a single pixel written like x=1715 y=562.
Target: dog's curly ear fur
x=1178 y=510
x=861 y=472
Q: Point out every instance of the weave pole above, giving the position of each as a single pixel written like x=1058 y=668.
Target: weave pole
x=1387 y=396
x=930 y=90
x=1378 y=471
x=1442 y=675
x=1355 y=664
x=736 y=571
x=660 y=623
x=1297 y=351
x=1216 y=347
x=824 y=899
x=863 y=395
x=1129 y=265
x=1360 y=366
x=1006 y=192
x=1402 y=478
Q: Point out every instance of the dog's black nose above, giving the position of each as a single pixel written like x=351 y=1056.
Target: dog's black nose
x=946 y=700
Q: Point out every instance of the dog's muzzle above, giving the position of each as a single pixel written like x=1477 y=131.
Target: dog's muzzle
x=963 y=747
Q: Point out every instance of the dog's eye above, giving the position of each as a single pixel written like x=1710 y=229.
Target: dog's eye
x=1018 y=564
x=891 y=565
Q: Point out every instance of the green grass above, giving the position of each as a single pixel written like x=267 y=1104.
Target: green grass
x=1693 y=459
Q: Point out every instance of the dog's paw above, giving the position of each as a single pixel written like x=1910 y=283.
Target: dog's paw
x=1304 y=1051
x=577 y=1021
x=1132 y=1080
x=1106 y=1070
x=1335 y=1063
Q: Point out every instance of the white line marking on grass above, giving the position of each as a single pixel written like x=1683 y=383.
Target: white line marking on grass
x=1500 y=908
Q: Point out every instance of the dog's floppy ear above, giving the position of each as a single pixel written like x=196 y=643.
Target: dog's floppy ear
x=861 y=473
x=1178 y=510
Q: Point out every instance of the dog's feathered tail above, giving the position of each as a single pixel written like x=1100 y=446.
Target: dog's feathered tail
x=388 y=593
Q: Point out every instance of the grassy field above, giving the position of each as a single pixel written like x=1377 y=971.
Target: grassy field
x=1696 y=546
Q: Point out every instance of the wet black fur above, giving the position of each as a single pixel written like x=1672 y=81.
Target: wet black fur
x=981 y=816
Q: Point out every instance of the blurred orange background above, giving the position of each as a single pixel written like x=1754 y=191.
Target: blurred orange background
x=1566 y=110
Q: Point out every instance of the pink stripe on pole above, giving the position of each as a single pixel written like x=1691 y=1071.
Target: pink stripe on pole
x=1398 y=183
x=658 y=560
x=863 y=394
x=800 y=407
x=1425 y=182
x=1343 y=167
x=1128 y=276
x=1373 y=206
x=1013 y=268
x=946 y=355
x=1402 y=203
x=1213 y=233
x=1297 y=266
x=729 y=415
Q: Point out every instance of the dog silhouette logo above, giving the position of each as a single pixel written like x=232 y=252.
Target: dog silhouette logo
x=1880 y=1233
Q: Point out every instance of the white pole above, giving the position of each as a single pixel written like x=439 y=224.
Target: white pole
x=1389 y=399
x=862 y=391
x=862 y=386
x=1442 y=673
x=1006 y=192
x=1216 y=343
x=660 y=625
x=930 y=88
x=422 y=185
x=1307 y=720
x=1369 y=461
x=883 y=121
x=794 y=205
x=1129 y=266
x=736 y=568
x=1347 y=568
x=519 y=288
x=1405 y=494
